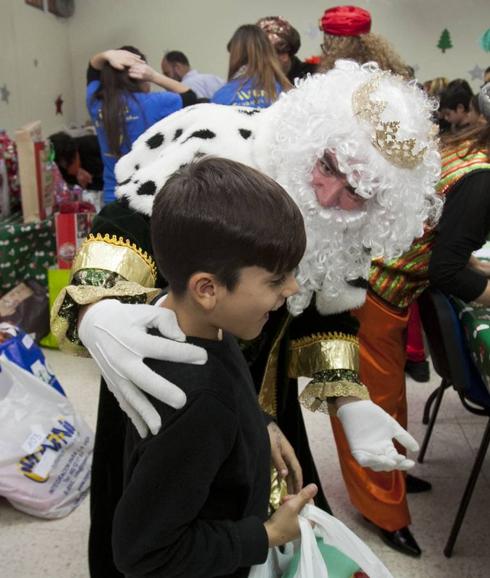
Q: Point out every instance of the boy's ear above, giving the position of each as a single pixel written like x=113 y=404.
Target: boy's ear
x=203 y=287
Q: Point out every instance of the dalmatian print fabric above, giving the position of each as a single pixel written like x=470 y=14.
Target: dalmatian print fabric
x=193 y=132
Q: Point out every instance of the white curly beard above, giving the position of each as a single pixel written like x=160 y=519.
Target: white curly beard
x=334 y=255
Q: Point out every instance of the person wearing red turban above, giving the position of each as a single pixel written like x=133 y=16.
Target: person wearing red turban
x=381 y=497
x=347 y=34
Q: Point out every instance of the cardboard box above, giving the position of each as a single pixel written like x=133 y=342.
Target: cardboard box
x=36 y=179
x=71 y=230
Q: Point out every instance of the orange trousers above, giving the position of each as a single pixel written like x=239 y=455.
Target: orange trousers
x=379 y=496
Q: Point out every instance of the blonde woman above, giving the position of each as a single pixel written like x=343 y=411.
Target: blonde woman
x=255 y=77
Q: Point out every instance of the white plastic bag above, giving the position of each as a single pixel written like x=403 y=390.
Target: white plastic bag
x=276 y=563
x=311 y=564
x=45 y=447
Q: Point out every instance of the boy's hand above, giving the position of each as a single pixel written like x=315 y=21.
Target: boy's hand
x=284 y=459
x=283 y=525
x=116 y=336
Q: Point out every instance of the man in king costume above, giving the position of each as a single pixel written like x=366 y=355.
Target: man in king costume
x=355 y=149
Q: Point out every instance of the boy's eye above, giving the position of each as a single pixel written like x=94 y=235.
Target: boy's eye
x=278 y=280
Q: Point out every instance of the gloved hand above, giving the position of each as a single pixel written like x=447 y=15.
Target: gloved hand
x=115 y=334
x=370 y=431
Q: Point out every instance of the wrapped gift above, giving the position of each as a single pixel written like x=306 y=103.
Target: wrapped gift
x=27 y=307
x=8 y=152
x=72 y=225
x=35 y=172
x=26 y=251
x=4 y=189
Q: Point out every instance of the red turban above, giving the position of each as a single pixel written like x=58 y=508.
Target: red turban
x=346 y=21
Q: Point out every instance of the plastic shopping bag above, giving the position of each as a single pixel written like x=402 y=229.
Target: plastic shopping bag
x=330 y=550
x=45 y=447
x=20 y=348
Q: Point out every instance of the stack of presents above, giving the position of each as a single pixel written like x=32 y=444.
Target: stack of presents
x=42 y=223
x=45 y=446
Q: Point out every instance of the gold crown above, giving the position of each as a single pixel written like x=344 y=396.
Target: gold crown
x=398 y=152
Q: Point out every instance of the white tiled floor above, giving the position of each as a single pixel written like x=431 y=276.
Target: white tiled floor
x=33 y=548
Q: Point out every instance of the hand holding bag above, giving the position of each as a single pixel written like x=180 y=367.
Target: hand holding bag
x=306 y=560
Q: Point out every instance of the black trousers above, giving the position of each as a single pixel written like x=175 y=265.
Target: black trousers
x=106 y=485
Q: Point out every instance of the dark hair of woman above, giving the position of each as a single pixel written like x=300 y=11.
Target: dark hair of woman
x=252 y=57
x=115 y=87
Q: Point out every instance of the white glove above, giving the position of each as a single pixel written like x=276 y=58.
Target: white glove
x=115 y=334
x=370 y=431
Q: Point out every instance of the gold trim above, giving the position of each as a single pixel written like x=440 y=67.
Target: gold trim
x=279 y=489
x=400 y=153
x=318 y=395
x=321 y=352
x=59 y=328
x=86 y=295
x=118 y=255
x=268 y=388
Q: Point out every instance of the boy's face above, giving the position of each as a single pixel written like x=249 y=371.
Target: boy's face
x=455 y=117
x=474 y=117
x=244 y=311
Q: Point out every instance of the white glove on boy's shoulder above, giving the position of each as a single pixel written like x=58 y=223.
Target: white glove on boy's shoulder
x=370 y=432
x=116 y=336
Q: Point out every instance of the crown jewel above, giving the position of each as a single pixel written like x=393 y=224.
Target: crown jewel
x=398 y=152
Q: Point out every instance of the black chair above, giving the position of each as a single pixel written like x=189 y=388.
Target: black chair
x=452 y=361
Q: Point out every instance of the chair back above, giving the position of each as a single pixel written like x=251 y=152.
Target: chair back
x=448 y=346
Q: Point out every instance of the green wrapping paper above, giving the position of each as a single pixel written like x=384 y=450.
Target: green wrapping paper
x=27 y=250
x=475 y=320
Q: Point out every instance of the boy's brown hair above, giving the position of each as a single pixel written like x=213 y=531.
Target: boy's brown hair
x=218 y=216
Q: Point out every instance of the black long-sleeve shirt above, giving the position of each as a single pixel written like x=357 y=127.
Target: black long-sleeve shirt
x=463 y=228
x=196 y=495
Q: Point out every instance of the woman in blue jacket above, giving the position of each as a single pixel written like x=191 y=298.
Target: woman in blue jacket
x=255 y=77
x=121 y=105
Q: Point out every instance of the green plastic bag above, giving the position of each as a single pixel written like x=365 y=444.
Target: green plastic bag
x=338 y=564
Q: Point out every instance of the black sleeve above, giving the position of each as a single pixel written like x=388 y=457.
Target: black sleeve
x=268 y=419
x=92 y=74
x=463 y=228
x=188 y=98
x=310 y=322
x=156 y=528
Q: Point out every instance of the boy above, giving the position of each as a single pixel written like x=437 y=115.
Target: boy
x=195 y=498
x=454 y=104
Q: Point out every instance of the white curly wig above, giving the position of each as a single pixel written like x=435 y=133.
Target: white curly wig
x=318 y=117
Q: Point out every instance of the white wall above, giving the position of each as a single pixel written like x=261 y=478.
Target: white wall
x=201 y=28
x=36 y=66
